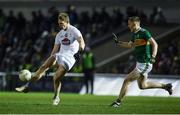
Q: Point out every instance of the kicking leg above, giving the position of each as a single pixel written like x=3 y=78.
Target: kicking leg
x=38 y=74
x=57 y=83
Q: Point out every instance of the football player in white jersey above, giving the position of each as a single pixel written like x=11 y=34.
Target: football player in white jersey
x=68 y=43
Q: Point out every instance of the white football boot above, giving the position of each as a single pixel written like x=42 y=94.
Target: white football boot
x=23 y=88
x=56 y=101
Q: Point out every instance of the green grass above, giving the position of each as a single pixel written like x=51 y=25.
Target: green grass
x=36 y=103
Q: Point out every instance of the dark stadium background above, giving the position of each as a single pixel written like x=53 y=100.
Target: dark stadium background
x=28 y=28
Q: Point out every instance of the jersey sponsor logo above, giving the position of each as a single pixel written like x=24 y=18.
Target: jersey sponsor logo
x=65 y=41
x=140 y=42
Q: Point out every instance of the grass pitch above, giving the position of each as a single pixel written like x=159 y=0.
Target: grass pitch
x=40 y=103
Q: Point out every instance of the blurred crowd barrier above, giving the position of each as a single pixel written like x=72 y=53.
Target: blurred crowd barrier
x=110 y=84
x=104 y=84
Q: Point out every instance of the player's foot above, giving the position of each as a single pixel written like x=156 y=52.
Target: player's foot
x=23 y=88
x=116 y=103
x=168 y=87
x=56 y=101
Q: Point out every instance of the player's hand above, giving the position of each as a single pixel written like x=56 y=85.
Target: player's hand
x=152 y=60
x=115 y=40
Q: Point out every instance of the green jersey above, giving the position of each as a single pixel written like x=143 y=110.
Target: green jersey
x=142 y=49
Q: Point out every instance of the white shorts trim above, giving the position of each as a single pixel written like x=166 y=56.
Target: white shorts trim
x=144 y=68
x=64 y=60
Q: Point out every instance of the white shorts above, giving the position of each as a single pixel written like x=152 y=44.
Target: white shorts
x=65 y=60
x=144 y=68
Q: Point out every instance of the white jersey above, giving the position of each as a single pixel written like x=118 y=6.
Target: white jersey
x=68 y=41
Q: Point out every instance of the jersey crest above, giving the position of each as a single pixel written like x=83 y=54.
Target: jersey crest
x=65 y=41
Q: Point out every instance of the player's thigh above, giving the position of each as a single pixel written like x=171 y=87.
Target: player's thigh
x=65 y=60
x=133 y=75
x=50 y=61
x=144 y=69
x=60 y=72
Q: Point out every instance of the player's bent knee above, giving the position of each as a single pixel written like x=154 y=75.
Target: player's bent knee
x=56 y=79
x=58 y=76
x=142 y=86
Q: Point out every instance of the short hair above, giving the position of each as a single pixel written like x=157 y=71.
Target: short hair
x=64 y=17
x=134 y=19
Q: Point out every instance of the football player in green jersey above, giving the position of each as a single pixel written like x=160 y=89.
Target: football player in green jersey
x=145 y=51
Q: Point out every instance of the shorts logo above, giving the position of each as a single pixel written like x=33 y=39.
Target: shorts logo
x=65 y=41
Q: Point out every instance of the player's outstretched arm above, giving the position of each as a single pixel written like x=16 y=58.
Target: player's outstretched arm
x=122 y=44
x=125 y=44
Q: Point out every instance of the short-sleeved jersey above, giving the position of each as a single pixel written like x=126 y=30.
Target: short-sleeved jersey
x=68 y=40
x=142 y=49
